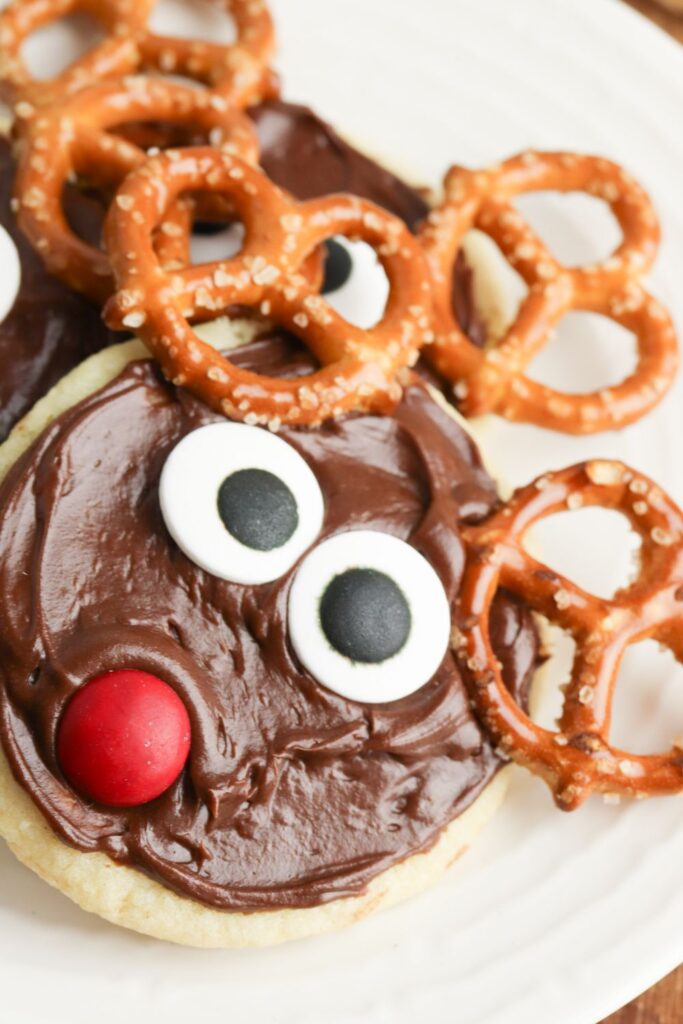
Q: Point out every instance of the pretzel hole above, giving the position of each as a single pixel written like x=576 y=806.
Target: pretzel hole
x=175 y=79
x=277 y=353
x=248 y=341
x=498 y=290
x=155 y=135
x=361 y=297
x=233 y=334
x=577 y=229
x=212 y=241
x=547 y=696
x=647 y=712
x=85 y=210
x=199 y=20
x=595 y=548
x=54 y=47
x=585 y=353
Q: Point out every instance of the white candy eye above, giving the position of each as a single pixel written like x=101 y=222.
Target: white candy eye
x=355 y=283
x=369 y=617
x=10 y=279
x=213 y=242
x=240 y=502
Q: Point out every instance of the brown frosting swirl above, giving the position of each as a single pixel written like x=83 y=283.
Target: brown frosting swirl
x=292 y=795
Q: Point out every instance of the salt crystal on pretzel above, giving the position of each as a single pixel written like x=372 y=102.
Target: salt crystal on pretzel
x=578 y=759
x=493 y=379
x=358 y=368
x=77 y=139
x=117 y=54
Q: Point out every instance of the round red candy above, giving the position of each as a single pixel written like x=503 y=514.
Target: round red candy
x=124 y=738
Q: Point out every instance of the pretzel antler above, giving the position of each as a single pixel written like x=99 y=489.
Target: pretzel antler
x=493 y=380
x=577 y=759
x=359 y=367
x=117 y=54
x=238 y=72
x=78 y=138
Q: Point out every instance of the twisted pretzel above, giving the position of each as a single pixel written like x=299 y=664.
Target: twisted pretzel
x=76 y=139
x=239 y=72
x=117 y=54
x=579 y=758
x=493 y=380
x=359 y=367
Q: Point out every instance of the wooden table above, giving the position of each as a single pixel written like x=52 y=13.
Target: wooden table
x=664 y=1003
x=673 y=23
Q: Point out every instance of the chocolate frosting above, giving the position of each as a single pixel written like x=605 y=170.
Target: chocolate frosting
x=307 y=157
x=51 y=329
x=292 y=795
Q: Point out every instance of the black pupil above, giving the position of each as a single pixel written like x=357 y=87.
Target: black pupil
x=258 y=509
x=338 y=266
x=365 y=616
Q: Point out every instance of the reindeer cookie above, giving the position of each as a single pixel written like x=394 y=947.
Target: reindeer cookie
x=281 y=604
x=266 y=628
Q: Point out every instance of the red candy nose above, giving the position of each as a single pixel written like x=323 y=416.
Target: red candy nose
x=124 y=738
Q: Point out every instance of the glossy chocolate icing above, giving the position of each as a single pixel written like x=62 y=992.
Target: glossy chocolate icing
x=51 y=329
x=307 y=157
x=292 y=795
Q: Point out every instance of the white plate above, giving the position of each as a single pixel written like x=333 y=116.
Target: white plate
x=550 y=918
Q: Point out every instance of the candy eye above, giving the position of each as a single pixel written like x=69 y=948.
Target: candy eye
x=240 y=502
x=369 y=617
x=11 y=273
x=355 y=283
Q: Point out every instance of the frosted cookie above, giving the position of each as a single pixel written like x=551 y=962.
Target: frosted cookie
x=300 y=806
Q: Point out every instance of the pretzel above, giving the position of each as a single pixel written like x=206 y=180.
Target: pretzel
x=117 y=54
x=577 y=759
x=77 y=139
x=493 y=380
x=239 y=72
x=358 y=368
